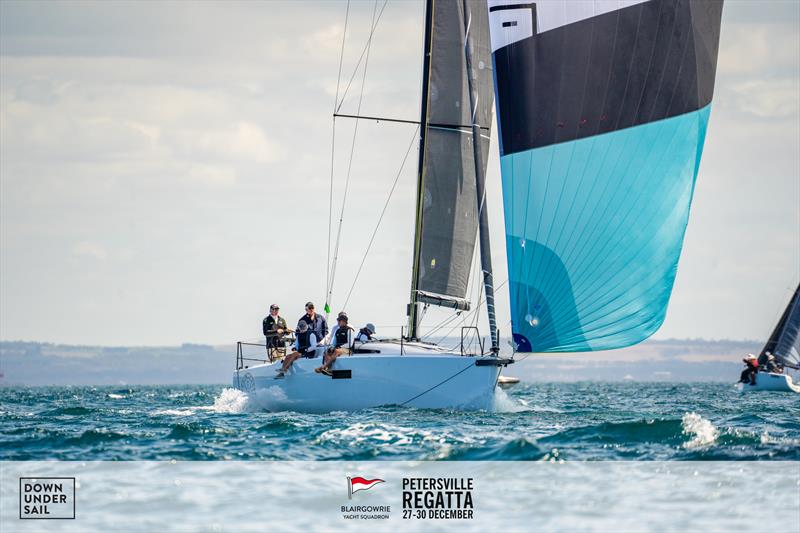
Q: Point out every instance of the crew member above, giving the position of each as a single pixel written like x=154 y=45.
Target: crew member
x=316 y=322
x=771 y=366
x=305 y=345
x=340 y=341
x=366 y=333
x=274 y=327
x=751 y=368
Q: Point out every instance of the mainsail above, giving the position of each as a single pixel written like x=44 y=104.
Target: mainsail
x=602 y=114
x=784 y=343
x=447 y=210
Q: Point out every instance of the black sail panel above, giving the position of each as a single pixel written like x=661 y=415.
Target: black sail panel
x=449 y=218
x=784 y=343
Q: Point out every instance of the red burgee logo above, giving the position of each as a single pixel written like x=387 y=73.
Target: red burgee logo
x=355 y=484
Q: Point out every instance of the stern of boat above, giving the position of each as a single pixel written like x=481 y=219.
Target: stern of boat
x=767 y=381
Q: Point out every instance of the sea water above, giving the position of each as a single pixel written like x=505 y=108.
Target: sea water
x=537 y=422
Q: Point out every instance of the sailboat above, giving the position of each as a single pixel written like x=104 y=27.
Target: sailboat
x=602 y=110
x=784 y=346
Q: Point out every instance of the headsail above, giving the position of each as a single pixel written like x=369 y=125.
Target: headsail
x=447 y=208
x=784 y=343
x=602 y=114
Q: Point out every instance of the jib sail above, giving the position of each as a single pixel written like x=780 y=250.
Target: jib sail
x=784 y=343
x=447 y=210
x=602 y=114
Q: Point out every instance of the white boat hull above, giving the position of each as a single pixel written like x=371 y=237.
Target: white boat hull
x=419 y=378
x=766 y=381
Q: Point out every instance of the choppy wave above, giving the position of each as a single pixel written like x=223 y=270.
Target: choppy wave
x=70 y=411
x=702 y=431
x=549 y=422
x=231 y=401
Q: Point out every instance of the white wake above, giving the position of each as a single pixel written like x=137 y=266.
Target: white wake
x=702 y=430
x=231 y=401
x=503 y=403
x=236 y=401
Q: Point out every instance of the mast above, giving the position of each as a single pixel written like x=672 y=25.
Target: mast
x=480 y=182
x=413 y=306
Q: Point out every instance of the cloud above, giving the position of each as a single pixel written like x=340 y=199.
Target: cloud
x=236 y=142
x=768 y=98
x=211 y=175
x=189 y=145
x=90 y=249
x=758 y=49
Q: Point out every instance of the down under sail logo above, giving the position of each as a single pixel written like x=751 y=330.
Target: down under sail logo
x=355 y=484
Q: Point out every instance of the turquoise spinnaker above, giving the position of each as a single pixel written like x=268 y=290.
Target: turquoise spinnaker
x=602 y=120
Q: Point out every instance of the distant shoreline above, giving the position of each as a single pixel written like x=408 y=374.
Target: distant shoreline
x=682 y=360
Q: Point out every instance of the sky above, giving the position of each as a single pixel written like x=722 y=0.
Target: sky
x=165 y=171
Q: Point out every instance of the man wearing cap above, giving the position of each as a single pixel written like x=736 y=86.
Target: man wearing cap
x=340 y=341
x=771 y=366
x=366 y=333
x=274 y=326
x=305 y=345
x=751 y=367
x=316 y=322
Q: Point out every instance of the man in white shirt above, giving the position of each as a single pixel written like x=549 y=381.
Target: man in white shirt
x=305 y=345
x=340 y=341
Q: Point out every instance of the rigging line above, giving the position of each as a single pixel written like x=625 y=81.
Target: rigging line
x=467 y=316
x=333 y=152
x=458 y=324
x=341 y=54
x=380 y=218
x=441 y=126
x=476 y=277
x=471 y=364
x=474 y=280
x=350 y=164
x=477 y=315
x=442 y=324
x=364 y=51
x=424 y=312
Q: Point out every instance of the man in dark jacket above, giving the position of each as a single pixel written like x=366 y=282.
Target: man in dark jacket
x=316 y=322
x=274 y=327
x=750 y=369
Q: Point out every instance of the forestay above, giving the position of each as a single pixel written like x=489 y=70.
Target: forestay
x=449 y=212
x=602 y=114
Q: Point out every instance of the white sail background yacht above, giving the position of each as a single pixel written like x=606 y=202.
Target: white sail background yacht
x=602 y=112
